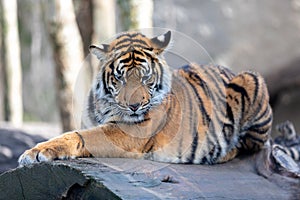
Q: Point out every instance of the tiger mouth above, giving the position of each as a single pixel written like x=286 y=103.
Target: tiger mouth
x=134 y=115
x=139 y=114
x=134 y=118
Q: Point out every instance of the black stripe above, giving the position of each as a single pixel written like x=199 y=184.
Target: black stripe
x=126 y=60
x=131 y=41
x=290 y=131
x=211 y=153
x=291 y=153
x=159 y=74
x=230 y=113
x=128 y=34
x=112 y=66
x=244 y=146
x=226 y=72
x=81 y=138
x=119 y=71
x=215 y=152
x=139 y=59
x=201 y=104
x=106 y=112
x=282 y=148
x=223 y=72
x=262 y=124
x=254 y=138
x=260 y=131
x=130 y=48
x=219 y=149
x=214 y=81
x=148 y=55
x=256 y=85
x=258 y=107
x=195 y=77
x=193 y=124
x=217 y=97
x=203 y=160
x=194 y=146
x=138 y=53
x=225 y=84
x=129 y=123
x=122 y=41
x=239 y=89
x=210 y=140
x=243 y=106
x=202 y=83
x=104 y=80
x=206 y=117
x=263 y=114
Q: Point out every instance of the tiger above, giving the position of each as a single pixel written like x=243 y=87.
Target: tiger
x=140 y=108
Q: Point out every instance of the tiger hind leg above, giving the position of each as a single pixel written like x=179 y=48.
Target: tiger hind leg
x=249 y=110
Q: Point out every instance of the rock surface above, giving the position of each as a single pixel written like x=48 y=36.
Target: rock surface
x=140 y=179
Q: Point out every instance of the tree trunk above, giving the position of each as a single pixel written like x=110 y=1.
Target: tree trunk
x=2 y=106
x=117 y=178
x=104 y=20
x=68 y=56
x=84 y=18
x=12 y=62
x=135 y=14
x=104 y=25
x=96 y=22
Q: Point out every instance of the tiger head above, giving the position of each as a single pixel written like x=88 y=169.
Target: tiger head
x=133 y=75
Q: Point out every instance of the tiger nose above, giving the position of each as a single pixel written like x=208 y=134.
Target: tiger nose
x=134 y=107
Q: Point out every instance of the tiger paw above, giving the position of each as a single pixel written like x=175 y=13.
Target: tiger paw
x=37 y=154
x=68 y=145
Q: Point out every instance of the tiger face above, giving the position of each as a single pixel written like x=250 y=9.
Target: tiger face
x=133 y=76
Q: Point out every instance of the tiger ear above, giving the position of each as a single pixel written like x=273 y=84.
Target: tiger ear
x=161 y=42
x=100 y=50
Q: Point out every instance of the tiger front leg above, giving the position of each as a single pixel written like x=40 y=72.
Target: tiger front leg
x=68 y=145
x=102 y=141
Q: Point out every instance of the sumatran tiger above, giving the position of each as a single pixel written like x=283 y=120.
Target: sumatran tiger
x=139 y=108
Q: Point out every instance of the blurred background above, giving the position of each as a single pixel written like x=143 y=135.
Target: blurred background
x=44 y=43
